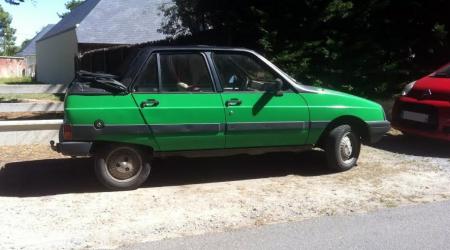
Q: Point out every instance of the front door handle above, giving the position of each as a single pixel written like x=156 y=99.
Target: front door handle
x=149 y=103
x=233 y=102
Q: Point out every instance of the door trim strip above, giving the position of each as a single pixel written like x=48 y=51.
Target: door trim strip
x=164 y=129
x=318 y=124
x=256 y=126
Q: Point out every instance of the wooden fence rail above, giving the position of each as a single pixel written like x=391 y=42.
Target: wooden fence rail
x=32 y=89
x=30 y=125
x=30 y=131
x=31 y=107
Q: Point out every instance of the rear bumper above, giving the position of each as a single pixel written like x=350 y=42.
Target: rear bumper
x=72 y=148
x=439 y=112
x=377 y=130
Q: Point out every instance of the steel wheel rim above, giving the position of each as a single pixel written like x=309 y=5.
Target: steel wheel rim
x=347 y=148
x=124 y=164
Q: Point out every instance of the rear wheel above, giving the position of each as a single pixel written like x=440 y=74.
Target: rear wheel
x=122 y=167
x=342 y=148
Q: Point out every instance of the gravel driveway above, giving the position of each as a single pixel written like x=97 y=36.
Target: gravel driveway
x=48 y=201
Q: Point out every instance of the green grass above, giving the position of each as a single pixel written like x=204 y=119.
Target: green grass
x=15 y=98
x=17 y=80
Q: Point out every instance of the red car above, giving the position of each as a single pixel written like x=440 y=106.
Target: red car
x=423 y=109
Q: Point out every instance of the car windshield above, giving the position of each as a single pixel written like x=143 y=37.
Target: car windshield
x=284 y=73
x=292 y=78
x=444 y=72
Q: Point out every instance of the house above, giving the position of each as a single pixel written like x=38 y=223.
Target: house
x=29 y=52
x=92 y=25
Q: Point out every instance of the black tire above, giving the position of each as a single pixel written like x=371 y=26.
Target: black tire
x=122 y=167
x=342 y=148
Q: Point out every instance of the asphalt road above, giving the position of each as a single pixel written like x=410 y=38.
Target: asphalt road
x=414 y=227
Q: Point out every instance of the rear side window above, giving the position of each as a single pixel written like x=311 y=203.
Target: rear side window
x=185 y=73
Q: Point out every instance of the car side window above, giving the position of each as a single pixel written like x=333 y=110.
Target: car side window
x=147 y=80
x=244 y=72
x=185 y=73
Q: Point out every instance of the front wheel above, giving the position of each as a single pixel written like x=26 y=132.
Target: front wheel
x=122 y=167
x=342 y=148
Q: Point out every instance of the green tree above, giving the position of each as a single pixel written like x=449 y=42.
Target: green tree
x=366 y=47
x=72 y=4
x=7 y=35
x=24 y=44
x=14 y=2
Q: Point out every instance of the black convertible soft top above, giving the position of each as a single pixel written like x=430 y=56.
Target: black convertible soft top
x=122 y=60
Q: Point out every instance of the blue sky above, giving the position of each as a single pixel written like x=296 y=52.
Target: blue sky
x=30 y=17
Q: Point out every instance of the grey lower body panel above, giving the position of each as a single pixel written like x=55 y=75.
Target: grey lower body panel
x=90 y=133
x=73 y=148
x=232 y=151
x=377 y=130
x=319 y=124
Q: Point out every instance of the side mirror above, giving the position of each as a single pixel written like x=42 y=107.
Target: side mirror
x=275 y=88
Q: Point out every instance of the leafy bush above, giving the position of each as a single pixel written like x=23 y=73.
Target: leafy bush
x=369 y=48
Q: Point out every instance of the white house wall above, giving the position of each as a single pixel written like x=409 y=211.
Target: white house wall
x=55 y=61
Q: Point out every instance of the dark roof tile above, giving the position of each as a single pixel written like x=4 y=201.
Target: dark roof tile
x=113 y=22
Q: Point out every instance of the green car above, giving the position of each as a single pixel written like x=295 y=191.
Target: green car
x=207 y=101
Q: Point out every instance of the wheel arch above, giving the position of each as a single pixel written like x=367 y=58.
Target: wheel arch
x=356 y=123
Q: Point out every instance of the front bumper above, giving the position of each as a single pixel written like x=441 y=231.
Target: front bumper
x=72 y=148
x=438 y=126
x=377 y=130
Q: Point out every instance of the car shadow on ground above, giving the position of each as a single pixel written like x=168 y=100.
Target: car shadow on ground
x=64 y=176
x=414 y=146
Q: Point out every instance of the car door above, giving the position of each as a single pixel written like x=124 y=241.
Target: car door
x=177 y=98
x=256 y=117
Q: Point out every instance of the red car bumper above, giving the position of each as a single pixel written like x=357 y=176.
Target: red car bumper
x=437 y=126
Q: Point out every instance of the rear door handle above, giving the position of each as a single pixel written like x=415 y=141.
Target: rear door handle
x=149 y=103
x=233 y=102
